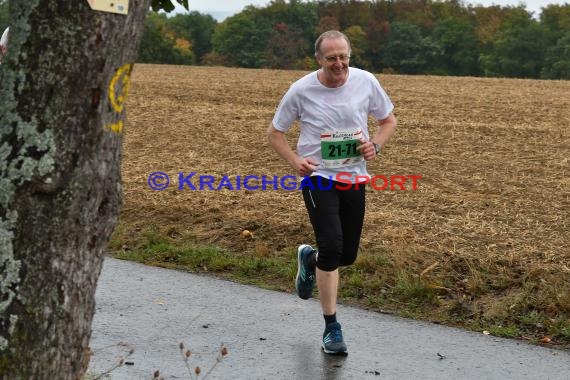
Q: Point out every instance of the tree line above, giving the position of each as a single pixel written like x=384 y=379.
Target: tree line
x=391 y=36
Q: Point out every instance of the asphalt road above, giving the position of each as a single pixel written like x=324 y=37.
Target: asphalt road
x=274 y=335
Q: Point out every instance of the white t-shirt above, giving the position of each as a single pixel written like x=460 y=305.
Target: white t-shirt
x=321 y=109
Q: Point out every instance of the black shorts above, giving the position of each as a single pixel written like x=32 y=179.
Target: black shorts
x=337 y=215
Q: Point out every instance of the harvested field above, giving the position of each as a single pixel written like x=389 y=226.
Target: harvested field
x=485 y=236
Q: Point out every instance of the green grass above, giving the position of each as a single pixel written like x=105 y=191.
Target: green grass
x=505 y=331
x=372 y=282
x=414 y=291
x=162 y=251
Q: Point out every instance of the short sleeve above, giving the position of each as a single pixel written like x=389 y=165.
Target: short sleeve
x=287 y=111
x=381 y=106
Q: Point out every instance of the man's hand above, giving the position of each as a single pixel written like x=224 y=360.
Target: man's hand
x=367 y=150
x=305 y=166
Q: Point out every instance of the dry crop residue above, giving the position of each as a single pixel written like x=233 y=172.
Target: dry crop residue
x=493 y=156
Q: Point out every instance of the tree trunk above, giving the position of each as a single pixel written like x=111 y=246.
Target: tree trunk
x=64 y=82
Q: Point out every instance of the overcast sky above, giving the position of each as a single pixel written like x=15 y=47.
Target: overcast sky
x=234 y=6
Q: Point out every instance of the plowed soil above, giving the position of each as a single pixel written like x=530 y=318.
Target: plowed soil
x=493 y=154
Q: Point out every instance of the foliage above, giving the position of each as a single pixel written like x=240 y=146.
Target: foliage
x=407 y=51
x=556 y=19
x=197 y=28
x=242 y=39
x=359 y=45
x=284 y=47
x=347 y=13
x=458 y=43
x=160 y=45
x=327 y=23
x=377 y=35
x=518 y=49
x=557 y=61
x=403 y=36
x=278 y=36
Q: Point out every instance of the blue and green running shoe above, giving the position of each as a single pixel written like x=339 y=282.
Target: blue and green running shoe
x=305 y=280
x=333 y=343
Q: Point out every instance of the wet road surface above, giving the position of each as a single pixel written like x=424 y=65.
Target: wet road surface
x=275 y=335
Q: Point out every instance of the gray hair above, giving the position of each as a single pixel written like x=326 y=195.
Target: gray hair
x=330 y=34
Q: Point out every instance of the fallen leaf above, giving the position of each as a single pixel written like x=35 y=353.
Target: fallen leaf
x=246 y=234
x=546 y=339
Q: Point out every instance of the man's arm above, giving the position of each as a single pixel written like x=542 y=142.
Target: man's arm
x=303 y=166
x=386 y=128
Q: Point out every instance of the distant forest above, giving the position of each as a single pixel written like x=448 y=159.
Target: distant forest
x=387 y=36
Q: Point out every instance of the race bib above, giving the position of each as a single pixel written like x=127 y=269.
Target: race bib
x=339 y=148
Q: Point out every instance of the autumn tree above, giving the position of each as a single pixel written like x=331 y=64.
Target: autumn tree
x=64 y=84
x=416 y=12
x=285 y=48
x=518 y=49
x=327 y=23
x=346 y=12
x=455 y=9
x=358 y=45
x=160 y=44
x=197 y=28
x=377 y=32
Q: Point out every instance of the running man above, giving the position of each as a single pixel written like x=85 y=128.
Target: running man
x=332 y=105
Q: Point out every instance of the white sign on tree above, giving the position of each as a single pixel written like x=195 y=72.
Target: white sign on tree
x=113 y=6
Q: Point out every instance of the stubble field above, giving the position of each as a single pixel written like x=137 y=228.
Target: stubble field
x=483 y=242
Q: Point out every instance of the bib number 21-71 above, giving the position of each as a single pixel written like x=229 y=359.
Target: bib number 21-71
x=339 y=148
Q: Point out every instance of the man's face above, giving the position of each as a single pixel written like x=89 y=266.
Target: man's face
x=333 y=57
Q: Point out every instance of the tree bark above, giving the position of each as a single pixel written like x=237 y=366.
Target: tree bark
x=63 y=86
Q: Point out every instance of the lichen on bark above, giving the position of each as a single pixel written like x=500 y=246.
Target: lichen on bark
x=25 y=153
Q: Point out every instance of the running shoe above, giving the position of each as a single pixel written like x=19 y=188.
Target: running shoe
x=333 y=343
x=305 y=280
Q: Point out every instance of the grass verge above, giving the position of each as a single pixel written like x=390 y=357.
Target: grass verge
x=481 y=302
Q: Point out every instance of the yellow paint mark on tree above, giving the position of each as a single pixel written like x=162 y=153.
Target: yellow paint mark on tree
x=118 y=92
x=117 y=96
x=116 y=127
